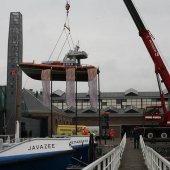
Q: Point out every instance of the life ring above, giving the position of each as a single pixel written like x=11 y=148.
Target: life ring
x=150 y=135
x=164 y=135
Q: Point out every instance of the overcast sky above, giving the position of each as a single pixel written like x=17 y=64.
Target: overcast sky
x=104 y=29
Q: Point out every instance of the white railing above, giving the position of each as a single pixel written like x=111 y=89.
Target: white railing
x=153 y=160
x=110 y=161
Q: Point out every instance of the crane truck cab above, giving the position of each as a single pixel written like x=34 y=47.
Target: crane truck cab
x=153 y=113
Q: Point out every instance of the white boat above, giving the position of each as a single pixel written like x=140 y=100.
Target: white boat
x=37 y=153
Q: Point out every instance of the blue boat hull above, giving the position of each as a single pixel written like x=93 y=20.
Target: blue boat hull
x=45 y=161
x=81 y=153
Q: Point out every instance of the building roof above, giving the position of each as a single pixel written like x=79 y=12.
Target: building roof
x=58 y=93
x=117 y=95
x=111 y=109
x=33 y=104
x=131 y=92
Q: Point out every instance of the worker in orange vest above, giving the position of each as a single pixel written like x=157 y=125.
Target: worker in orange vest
x=112 y=134
x=85 y=131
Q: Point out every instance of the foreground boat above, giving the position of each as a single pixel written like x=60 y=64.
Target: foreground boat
x=82 y=146
x=37 y=153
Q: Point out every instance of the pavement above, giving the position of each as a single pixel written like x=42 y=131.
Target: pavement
x=132 y=158
x=104 y=146
x=113 y=142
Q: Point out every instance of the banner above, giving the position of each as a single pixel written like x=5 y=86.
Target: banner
x=46 y=77
x=92 y=82
x=70 y=88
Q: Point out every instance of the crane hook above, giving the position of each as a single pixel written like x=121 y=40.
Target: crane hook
x=67 y=7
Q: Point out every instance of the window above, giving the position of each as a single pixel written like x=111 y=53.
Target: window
x=104 y=103
x=118 y=101
x=124 y=100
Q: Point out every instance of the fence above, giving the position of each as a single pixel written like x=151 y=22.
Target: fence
x=110 y=161
x=153 y=160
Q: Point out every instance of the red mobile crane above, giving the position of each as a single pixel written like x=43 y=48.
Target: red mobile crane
x=153 y=113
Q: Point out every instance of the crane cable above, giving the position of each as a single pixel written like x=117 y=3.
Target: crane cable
x=63 y=46
x=55 y=45
x=66 y=27
x=67 y=9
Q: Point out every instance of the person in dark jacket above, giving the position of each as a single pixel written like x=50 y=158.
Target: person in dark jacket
x=136 y=135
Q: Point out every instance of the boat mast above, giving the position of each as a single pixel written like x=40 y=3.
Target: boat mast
x=17 y=128
x=51 y=105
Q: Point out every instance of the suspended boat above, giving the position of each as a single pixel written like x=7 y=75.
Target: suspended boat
x=58 y=69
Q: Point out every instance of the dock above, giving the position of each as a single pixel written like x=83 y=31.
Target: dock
x=132 y=158
x=125 y=157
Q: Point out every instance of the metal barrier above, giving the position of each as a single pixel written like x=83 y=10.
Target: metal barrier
x=153 y=160
x=110 y=161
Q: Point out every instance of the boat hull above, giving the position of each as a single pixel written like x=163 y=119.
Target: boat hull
x=51 y=161
x=37 y=153
x=80 y=145
x=58 y=72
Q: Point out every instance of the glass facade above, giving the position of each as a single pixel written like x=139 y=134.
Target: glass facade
x=81 y=104
x=138 y=102
x=135 y=102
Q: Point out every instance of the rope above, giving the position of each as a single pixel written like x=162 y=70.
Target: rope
x=68 y=39
x=62 y=47
x=56 y=44
x=66 y=26
x=25 y=82
x=72 y=41
x=79 y=161
x=70 y=34
x=7 y=121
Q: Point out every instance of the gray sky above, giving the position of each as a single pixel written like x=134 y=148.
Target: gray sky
x=105 y=31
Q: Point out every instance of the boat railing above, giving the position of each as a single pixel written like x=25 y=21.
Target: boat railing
x=153 y=160
x=7 y=138
x=111 y=160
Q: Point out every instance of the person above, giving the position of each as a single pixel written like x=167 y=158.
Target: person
x=112 y=134
x=122 y=132
x=85 y=131
x=30 y=134
x=136 y=135
x=74 y=132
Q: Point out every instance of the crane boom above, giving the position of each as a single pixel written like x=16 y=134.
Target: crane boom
x=153 y=113
x=160 y=67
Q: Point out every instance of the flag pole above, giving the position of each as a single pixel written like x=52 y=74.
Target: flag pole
x=51 y=106
x=76 y=99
